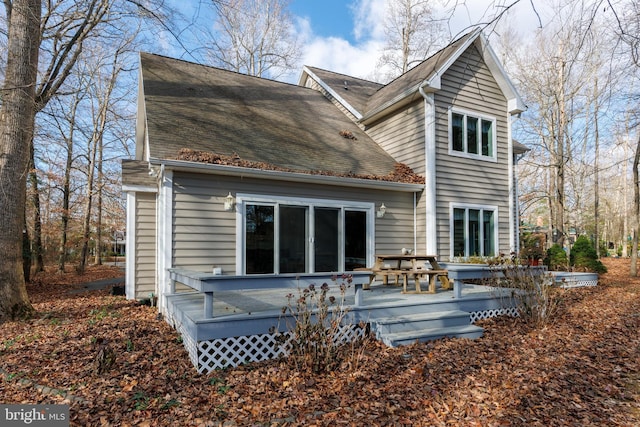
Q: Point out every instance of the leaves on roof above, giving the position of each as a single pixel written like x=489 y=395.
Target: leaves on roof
x=347 y=134
x=401 y=172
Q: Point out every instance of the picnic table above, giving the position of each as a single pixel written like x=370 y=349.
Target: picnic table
x=410 y=266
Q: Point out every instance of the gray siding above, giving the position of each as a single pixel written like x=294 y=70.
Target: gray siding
x=468 y=84
x=204 y=234
x=145 y=241
x=402 y=135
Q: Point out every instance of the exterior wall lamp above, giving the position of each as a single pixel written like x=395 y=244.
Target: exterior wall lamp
x=229 y=202
x=381 y=211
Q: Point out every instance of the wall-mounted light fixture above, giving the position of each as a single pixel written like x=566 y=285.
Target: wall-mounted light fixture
x=229 y=202
x=381 y=211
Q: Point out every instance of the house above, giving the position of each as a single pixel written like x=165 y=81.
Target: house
x=253 y=176
x=240 y=181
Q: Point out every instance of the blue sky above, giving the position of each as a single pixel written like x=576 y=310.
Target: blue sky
x=346 y=36
x=329 y=18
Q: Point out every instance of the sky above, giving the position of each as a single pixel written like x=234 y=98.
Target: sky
x=346 y=35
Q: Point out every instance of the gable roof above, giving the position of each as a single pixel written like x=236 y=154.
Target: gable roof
x=425 y=76
x=356 y=92
x=203 y=108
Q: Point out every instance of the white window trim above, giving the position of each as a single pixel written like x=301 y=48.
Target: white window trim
x=466 y=207
x=465 y=154
x=243 y=199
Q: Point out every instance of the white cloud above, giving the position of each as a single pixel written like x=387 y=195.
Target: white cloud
x=369 y=18
x=337 y=54
x=359 y=58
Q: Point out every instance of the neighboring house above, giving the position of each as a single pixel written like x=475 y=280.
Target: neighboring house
x=254 y=176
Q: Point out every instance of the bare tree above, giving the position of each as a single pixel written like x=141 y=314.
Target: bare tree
x=23 y=95
x=636 y=212
x=255 y=37
x=16 y=132
x=413 y=31
x=102 y=100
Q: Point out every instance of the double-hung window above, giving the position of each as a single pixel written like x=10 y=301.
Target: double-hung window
x=473 y=230
x=291 y=235
x=472 y=135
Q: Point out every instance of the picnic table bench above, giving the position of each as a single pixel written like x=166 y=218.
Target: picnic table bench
x=407 y=267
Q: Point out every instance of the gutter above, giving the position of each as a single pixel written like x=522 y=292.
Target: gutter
x=337 y=181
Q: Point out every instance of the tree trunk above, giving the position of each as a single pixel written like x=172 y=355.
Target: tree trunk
x=636 y=212
x=17 y=116
x=26 y=253
x=98 y=257
x=86 y=227
x=66 y=187
x=36 y=254
x=596 y=176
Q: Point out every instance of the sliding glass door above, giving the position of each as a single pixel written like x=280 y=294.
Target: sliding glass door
x=304 y=238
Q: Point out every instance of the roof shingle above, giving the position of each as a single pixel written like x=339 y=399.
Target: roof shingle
x=214 y=110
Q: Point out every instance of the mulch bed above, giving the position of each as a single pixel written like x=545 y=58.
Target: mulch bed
x=581 y=369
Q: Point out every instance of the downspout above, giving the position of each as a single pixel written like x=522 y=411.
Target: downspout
x=514 y=217
x=415 y=223
x=164 y=221
x=431 y=231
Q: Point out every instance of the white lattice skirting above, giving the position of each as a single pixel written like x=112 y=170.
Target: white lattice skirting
x=486 y=314
x=574 y=279
x=577 y=283
x=233 y=351
x=221 y=353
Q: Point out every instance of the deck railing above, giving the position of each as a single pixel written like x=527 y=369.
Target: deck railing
x=208 y=283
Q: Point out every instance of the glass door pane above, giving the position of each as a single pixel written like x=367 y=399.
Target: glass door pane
x=474 y=232
x=488 y=233
x=458 y=233
x=355 y=240
x=259 y=232
x=293 y=239
x=326 y=239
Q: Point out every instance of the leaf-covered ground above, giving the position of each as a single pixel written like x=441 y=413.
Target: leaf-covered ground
x=581 y=370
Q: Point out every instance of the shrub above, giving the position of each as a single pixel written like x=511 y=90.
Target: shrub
x=556 y=258
x=317 y=334
x=532 y=292
x=532 y=246
x=584 y=256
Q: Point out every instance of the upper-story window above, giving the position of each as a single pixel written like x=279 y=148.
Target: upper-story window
x=472 y=135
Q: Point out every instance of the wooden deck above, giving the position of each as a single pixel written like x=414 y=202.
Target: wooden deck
x=238 y=325
x=249 y=312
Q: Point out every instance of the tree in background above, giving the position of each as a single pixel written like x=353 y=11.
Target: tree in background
x=254 y=37
x=24 y=94
x=413 y=31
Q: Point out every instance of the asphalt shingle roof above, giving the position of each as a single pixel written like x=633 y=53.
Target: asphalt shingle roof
x=353 y=90
x=209 y=109
x=415 y=76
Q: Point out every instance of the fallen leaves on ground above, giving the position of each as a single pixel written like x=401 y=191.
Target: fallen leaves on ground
x=583 y=369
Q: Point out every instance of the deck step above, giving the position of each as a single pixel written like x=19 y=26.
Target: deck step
x=407 y=329
x=423 y=335
x=409 y=322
